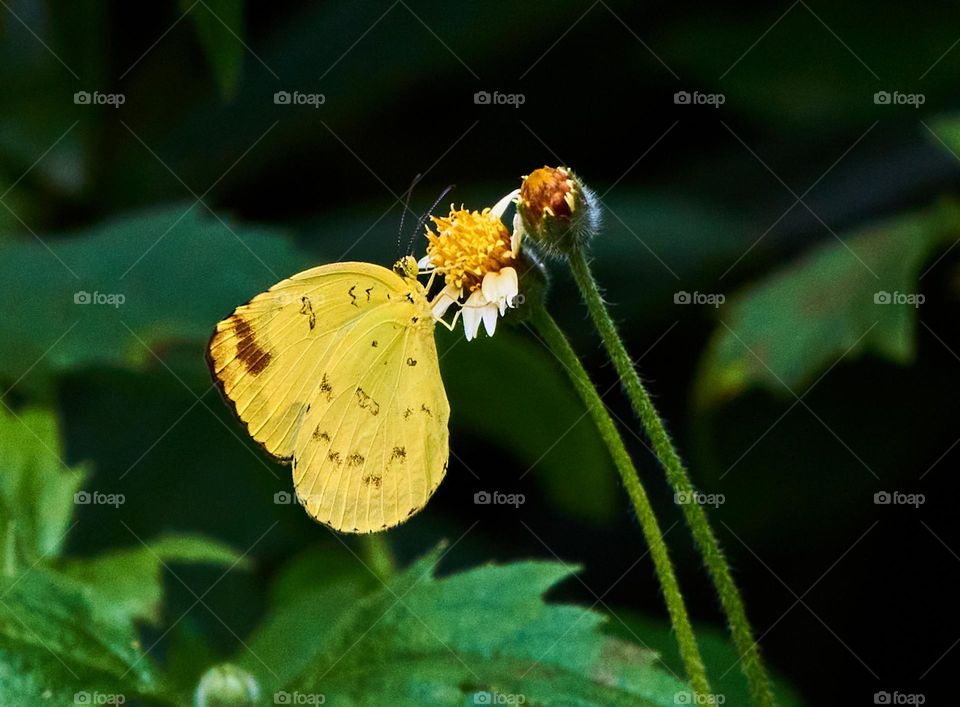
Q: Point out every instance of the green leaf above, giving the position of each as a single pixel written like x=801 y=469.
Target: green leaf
x=36 y=489
x=423 y=640
x=140 y=258
x=53 y=645
x=782 y=331
x=220 y=27
x=127 y=584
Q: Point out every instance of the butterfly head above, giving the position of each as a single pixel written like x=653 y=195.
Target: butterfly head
x=407 y=267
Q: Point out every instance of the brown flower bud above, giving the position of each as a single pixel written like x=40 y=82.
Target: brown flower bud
x=557 y=210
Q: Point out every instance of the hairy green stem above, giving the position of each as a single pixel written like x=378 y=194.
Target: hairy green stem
x=376 y=554
x=689 y=652
x=696 y=517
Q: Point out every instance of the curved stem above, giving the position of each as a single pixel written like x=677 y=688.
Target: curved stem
x=696 y=517
x=376 y=553
x=558 y=344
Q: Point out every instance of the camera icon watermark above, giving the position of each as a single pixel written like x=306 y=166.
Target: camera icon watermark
x=496 y=498
x=899 y=698
x=713 y=299
x=488 y=697
x=695 y=698
x=898 y=498
x=95 y=98
x=296 y=98
x=485 y=98
x=112 y=299
x=85 y=697
x=298 y=698
x=895 y=98
x=696 y=98
x=97 y=498
x=914 y=299
x=685 y=498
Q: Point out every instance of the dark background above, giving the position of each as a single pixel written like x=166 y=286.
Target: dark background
x=848 y=597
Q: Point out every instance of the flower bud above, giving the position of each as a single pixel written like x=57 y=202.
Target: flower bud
x=226 y=684
x=557 y=210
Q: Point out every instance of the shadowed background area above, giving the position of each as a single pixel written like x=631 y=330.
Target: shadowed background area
x=777 y=186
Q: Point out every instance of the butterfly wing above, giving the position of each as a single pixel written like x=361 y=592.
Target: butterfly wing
x=320 y=346
x=372 y=453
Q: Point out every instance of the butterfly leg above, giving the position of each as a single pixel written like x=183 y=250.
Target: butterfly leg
x=452 y=325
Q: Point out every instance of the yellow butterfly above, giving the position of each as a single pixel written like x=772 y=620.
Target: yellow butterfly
x=336 y=370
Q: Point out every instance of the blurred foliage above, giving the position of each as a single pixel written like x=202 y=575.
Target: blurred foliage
x=83 y=612
x=220 y=26
x=849 y=297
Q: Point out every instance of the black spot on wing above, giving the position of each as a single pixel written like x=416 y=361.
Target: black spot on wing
x=306 y=308
x=367 y=403
x=325 y=388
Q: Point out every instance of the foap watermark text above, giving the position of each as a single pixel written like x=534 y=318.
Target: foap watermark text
x=486 y=98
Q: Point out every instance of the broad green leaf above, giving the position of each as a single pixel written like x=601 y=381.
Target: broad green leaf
x=848 y=298
x=423 y=640
x=36 y=488
x=220 y=26
x=127 y=584
x=53 y=645
x=141 y=281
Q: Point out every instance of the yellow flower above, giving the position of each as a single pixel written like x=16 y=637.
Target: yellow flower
x=475 y=255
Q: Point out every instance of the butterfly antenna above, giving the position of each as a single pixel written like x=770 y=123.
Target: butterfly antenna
x=423 y=219
x=406 y=208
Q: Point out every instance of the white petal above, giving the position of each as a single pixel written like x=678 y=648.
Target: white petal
x=472 y=314
x=448 y=295
x=517 y=236
x=490 y=318
x=501 y=287
x=502 y=205
x=425 y=263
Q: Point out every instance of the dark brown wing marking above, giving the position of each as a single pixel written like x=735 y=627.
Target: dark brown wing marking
x=250 y=354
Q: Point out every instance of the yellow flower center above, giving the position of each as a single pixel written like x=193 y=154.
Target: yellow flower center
x=467 y=245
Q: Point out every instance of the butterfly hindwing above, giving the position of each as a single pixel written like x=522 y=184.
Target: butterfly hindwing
x=373 y=470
